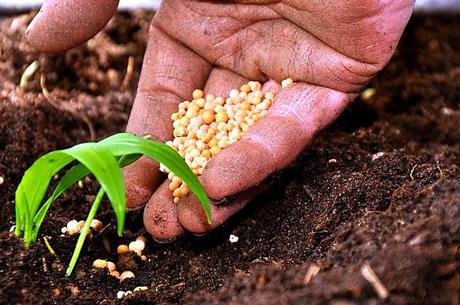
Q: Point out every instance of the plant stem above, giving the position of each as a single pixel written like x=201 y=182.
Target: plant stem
x=84 y=231
x=28 y=239
x=47 y=244
x=28 y=72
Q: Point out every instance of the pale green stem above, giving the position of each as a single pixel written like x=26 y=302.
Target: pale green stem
x=50 y=249
x=84 y=231
x=28 y=72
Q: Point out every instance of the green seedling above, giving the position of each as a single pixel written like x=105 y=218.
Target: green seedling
x=104 y=160
x=47 y=244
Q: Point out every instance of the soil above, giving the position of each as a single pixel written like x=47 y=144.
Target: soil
x=379 y=189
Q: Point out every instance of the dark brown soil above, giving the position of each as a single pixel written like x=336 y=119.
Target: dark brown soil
x=380 y=187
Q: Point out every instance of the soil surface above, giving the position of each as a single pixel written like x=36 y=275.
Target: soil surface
x=377 y=194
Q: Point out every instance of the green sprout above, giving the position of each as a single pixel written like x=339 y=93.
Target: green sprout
x=47 y=244
x=104 y=160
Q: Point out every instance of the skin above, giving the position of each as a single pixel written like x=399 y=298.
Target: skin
x=331 y=48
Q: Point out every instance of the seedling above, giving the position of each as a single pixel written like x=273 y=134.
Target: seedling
x=28 y=73
x=104 y=160
x=50 y=249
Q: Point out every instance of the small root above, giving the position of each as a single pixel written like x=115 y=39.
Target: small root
x=44 y=265
x=28 y=73
x=369 y=274
x=441 y=174
x=129 y=74
x=412 y=172
x=74 y=113
x=312 y=271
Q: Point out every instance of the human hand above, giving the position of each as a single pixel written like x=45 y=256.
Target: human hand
x=331 y=48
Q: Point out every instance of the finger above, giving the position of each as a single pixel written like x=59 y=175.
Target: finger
x=192 y=217
x=165 y=220
x=169 y=74
x=297 y=115
x=141 y=178
x=63 y=24
x=271 y=86
x=160 y=215
x=221 y=81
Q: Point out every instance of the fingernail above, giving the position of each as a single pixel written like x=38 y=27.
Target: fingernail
x=226 y=199
x=165 y=240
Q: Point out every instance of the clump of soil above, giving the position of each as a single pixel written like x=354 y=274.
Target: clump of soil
x=380 y=188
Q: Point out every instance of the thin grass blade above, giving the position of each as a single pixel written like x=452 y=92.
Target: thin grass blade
x=70 y=178
x=32 y=189
x=103 y=165
x=84 y=230
x=125 y=143
x=36 y=179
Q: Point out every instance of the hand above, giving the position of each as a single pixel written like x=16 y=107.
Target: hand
x=331 y=48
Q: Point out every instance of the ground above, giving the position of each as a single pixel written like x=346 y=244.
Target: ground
x=379 y=189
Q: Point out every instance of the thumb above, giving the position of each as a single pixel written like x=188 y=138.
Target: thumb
x=63 y=24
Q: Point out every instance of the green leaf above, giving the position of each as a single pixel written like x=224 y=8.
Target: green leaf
x=70 y=178
x=125 y=143
x=36 y=179
x=32 y=188
x=98 y=159
x=103 y=165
